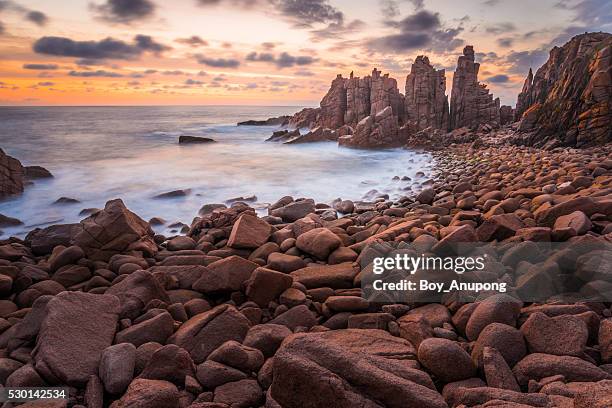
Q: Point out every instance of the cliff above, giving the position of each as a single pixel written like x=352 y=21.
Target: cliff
x=569 y=100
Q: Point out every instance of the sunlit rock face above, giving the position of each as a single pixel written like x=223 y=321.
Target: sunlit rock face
x=570 y=96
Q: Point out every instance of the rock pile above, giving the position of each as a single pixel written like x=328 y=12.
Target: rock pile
x=249 y=311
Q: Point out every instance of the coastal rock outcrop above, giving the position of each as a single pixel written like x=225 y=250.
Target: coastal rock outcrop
x=570 y=97
x=11 y=175
x=471 y=103
x=426 y=103
x=378 y=130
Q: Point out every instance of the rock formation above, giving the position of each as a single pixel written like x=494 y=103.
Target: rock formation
x=471 y=103
x=426 y=103
x=333 y=105
x=11 y=175
x=373 y=131
x=506 y=115
x=358 y=99
x=570 y=96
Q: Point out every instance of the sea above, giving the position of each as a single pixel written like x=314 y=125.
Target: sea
x=101 y=153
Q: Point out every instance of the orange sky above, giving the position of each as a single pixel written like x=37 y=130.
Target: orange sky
x=265 y=52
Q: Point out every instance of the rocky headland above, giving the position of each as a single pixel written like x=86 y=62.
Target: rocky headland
x=269 y=311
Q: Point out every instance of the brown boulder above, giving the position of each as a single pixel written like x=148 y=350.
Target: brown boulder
x=225 y=275
x=537 y=366
x=114 y=230
x=319 y=242
x=248 y=232
x=76 y=330
x=334 y=276
x=149 y=394
x=203 y=333
x=266 y=285
x=11 y=175
x=351 y=368
x=560 y=335
x=446 y=359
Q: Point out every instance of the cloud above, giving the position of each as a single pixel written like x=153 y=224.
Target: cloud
x=46 y=83
x=491 y=3
x=305 y=14
x=193 y=82
x=284 y=60
x=505 y=42
x=41 y=67
x=337 y=30
x=2 y=29
x=596 y=14
x=173 y=73
x=37 y=17
x=421 y=30
x=304 y=73
x=498 y=79
x=193 y=41
x=501 y=28
x=124 y=11
x=147 y=43
x=108 y=48
x=98 y=73
x=521 y=61
x=218 y=62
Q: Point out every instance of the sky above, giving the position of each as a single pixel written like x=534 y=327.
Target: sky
x=266 y=52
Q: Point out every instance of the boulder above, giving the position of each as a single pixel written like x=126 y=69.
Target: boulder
x=11 y=175
x=334 y=276
x=348 y=368
x=499 y=308
x=77 y=328
x=203 y=333
x=294 y=210
x=446 y=359
x=225 y=275
x=249 y=232
x=265 y=285
x=319 y=242
x=149 y=394
x=194 y=139
x=537 y=366
x=136 y=291
x=114 y=230
x=560 y=335
x=117 y=367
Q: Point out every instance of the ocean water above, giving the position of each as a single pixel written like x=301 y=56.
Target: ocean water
x=101 y=153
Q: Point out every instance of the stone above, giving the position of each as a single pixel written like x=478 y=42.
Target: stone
x=114 y=230
x=150 y=394
x=560 y=335
x=500 y=308
x=36 y=172
x=350 y=367
x=233 y=354
x=181 y=243
x=169 y=363
x=319 y=242
x=67 y=256
x=506 y=339
x=265 y=285
x=346 y=303
x=298 y=316
x=285 y=263
x=77 y=328
x=576 y=221
x=136 y=291
x=294 y=210
x=203 y=333
x=156 y=329
x=496 y=370
x=605 y=340
x=249 y=232
x=446 y=359
x=225 y=275
x=42 y=241
x=266 y=337
x=239 y=394
x=537 y=366
x=426 y=196
x=338 y=276
x=183 y=139
x=117 y=367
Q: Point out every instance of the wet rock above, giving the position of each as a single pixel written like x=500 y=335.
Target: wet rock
x=294 y=211
x=195 y=140
x=36 y=172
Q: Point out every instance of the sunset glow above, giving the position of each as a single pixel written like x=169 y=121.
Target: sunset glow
x=264 y=52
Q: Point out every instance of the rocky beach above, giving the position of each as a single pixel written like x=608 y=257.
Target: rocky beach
x=247 y=310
